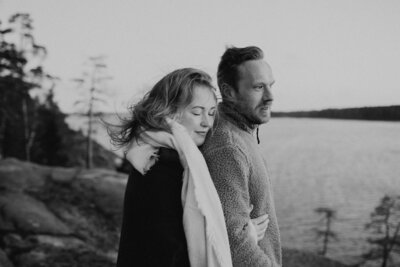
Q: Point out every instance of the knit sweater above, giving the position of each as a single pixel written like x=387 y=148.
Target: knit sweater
x=240 y=176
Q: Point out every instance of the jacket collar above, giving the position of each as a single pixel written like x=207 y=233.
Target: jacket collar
x=230 y=112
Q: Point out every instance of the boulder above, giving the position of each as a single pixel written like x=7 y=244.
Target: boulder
x=4 y=261
x=15 y=243
x=25 y=214
x=59 y=216
x=19 y=176
x=88 y=201
x=58 y=241
x=64 y=175
x=105 y=190
x=48 y=256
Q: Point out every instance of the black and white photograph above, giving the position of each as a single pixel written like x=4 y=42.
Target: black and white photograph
x=183 y=133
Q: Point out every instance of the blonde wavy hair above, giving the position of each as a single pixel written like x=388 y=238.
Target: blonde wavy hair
x=166 y=99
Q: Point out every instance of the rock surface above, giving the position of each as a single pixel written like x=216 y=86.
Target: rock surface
x=54 y=217
x=58 y=216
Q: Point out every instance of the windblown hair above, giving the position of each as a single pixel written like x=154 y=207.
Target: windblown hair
x=228 y=66
x=166 y=99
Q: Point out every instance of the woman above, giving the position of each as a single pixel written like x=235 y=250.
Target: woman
x=161 y=209
x=152 y=231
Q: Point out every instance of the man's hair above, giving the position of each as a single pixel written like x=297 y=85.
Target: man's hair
x=166 y=99
x=228 y=66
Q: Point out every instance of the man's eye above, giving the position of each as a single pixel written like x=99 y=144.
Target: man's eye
x=211 y=114
x=196 y=113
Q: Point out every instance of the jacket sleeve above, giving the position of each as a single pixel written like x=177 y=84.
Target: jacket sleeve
x=230 y=172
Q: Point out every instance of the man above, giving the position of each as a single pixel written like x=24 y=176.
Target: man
x=234 y=160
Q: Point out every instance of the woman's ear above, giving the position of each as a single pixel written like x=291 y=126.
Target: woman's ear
x=176 y=117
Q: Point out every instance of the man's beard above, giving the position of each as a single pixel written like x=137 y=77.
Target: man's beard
x=251 y=114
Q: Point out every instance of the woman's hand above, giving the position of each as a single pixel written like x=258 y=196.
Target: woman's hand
x=260 y=224
x=252 y=231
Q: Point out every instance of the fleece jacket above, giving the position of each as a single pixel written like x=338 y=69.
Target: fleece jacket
x=240 y=175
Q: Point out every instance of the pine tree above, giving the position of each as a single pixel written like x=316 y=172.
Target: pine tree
x=385 y=230
x=95 y=94
x=326 y=233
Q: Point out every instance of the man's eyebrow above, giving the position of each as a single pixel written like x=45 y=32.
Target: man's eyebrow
x=264 y=83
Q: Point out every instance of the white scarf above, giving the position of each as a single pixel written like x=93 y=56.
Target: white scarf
x=203 y=218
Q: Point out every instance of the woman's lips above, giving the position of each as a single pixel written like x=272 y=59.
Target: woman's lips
x=201 y=133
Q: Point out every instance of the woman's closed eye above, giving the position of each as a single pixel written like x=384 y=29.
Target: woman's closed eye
x=197 y=111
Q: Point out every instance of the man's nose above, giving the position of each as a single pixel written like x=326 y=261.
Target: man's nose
x=268 y=94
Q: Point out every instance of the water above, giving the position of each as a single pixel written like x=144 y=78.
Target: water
x=346 y=165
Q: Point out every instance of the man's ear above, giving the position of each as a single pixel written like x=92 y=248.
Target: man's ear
x=228 y=92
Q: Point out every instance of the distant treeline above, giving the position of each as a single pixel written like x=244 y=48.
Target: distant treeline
x=32 y=126
x=387 y=113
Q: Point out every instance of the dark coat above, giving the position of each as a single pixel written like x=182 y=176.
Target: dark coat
x=152 y=231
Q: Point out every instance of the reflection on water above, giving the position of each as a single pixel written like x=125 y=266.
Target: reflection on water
x=347 y=165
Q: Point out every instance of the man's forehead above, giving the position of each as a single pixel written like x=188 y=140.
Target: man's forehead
x=255 y=70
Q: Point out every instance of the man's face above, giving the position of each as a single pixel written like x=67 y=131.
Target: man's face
x=253 y=97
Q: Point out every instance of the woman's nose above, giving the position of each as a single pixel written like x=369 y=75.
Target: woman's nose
x=205 y=121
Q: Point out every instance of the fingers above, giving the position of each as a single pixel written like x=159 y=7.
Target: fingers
x=260 y=224
x=260 y=236
x=253 y=232
x=261 y=233
x=260 y=228
x=260 y=220
x=263 y=224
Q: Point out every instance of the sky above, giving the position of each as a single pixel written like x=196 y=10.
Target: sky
x=324 y=54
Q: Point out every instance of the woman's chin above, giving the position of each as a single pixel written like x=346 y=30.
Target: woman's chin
x=199 y=141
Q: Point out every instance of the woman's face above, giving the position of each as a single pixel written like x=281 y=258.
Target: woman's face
x=198 y=117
